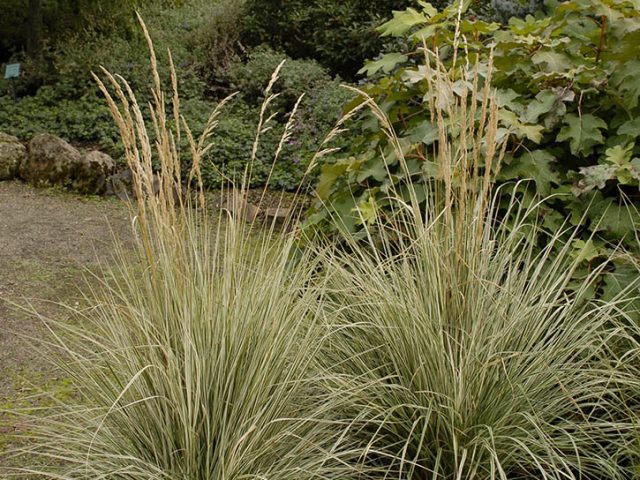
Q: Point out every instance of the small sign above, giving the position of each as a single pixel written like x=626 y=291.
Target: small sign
x=12 y=70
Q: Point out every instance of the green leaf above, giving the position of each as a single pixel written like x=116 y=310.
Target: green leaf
x=401 y=22
x=627 y=81
x=616 y=220
x=625 y=274
x=343 y=208
x=582 y=132
x=552 y=220
x=584 y=251
x=542 y=104
x=428 y=9
x=367 y=211
x=374 y=168
x=387 y=63
x=328 y=175
x=631 y=128
x=595 y=176
x=478 y=26
x=521 y=130
x=528 y=25
x=415 y=75
x=536 y=165
x=634 y=169
x=425 y=132
x=551 y=62
x=619 y=155
x=425 y=33
x=506 y=98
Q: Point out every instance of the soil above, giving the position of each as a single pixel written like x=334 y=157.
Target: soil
x=49 y=241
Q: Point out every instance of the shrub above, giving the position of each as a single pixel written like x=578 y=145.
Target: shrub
x=251 y=76
x=340 y=35
x=504 y=10
x=232 y=146
x=568 y=101
x=31 y=30
x=80 y=120
x=68 y=103
x=72 y=109
x=217 y=42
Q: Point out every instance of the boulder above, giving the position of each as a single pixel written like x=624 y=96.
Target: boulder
x=51 y=161
x=12 y=155
x=92 y=173
x=277 y=215
x=121 y=185
x=238 y=206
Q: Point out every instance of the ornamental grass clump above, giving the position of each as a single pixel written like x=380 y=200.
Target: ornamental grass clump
x=193 y=361
x=462 y=350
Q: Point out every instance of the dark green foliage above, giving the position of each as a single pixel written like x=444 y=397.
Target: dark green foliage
x=340 y=34
x=323 y=100
x=68 y=103
x=215 y=43
x=68 y=90
x=232 y=145
x=569 y=93
x=84 y=120
x=31 y=30
x=56 y=93
x=503 y=10
x=321 y=106
x=251 y=76
x=202 y=36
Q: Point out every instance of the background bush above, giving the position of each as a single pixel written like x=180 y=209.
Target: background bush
x=503 y=10
x=234 y=136
x=215 y=43
x=204 y=38
x=68 y=104
x=218 y=46
x=251 y=76
x=339 y=34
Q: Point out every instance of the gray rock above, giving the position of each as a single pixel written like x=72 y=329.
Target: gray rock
x=92 y=173
x=12 y=154
x=51 y=161
x=238 y=206
x=121 y=185
x=277 y=214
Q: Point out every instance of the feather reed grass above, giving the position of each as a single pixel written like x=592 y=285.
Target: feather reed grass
x=194 y=361
x=458 y=350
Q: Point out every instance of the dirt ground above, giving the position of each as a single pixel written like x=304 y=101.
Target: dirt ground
x=49 y=240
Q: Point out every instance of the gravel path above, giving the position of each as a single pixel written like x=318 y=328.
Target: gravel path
x=48 y=240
